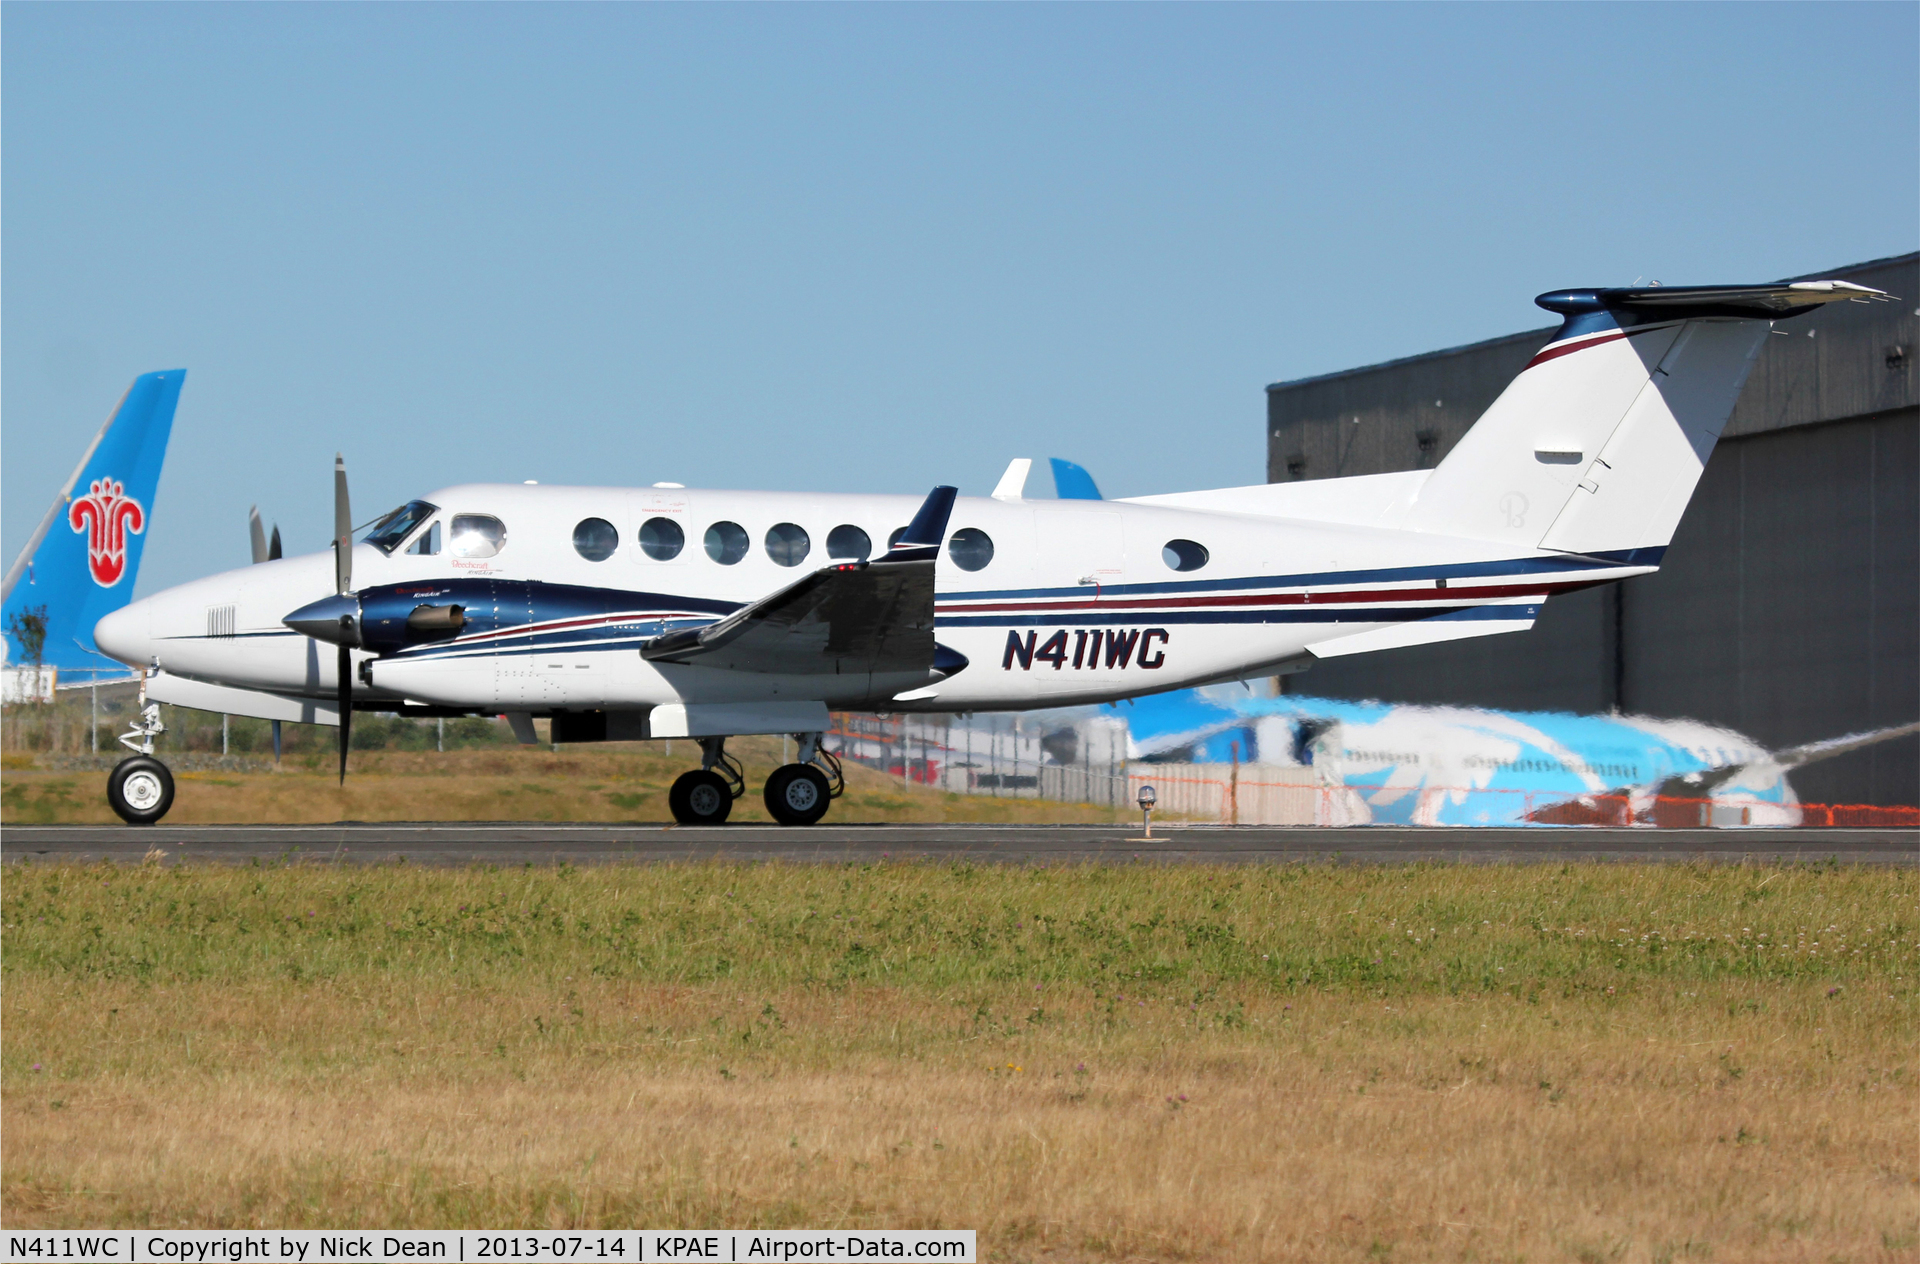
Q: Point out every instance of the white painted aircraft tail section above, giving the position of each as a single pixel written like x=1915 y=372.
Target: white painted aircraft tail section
x=1511 y=474
x=1633 y=491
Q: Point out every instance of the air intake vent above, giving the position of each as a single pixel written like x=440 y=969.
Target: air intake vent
x=220 y=620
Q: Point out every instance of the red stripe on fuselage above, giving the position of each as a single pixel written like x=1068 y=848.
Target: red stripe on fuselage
x=1374 y=595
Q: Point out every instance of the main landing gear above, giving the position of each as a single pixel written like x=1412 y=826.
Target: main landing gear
x=140 y=788
x=796 y=794
x=705 y=796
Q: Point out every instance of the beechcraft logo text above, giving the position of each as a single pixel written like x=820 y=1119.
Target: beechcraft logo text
x=1082 y=650
x=107 y=515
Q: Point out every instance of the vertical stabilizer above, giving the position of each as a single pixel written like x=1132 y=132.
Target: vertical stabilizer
x=80 y=563
x=1597 y=446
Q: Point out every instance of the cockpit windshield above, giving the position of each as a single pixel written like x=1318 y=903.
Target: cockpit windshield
x=388 y=533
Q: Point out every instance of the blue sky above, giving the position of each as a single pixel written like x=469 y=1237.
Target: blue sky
x=860 y=248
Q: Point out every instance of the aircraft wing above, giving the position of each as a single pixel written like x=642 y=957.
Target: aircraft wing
x=855 y=617
x=1813 y=751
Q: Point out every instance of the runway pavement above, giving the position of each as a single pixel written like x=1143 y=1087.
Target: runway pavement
x=521 y=843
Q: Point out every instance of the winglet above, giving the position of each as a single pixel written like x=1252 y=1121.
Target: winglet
x=921 y=540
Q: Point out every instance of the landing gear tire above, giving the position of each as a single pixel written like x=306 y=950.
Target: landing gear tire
x=700 y=797
x=140 y=790
x=797 y=794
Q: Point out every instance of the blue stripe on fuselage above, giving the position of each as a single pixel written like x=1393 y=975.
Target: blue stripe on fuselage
x=1399 y=574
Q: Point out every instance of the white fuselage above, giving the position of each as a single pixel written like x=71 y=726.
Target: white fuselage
x=1079 y=602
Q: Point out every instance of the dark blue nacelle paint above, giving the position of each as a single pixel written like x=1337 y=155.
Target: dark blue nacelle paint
x=543 y=615
x=541 y=612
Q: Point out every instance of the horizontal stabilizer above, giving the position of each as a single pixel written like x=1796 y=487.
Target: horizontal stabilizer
x=1455 y=626
x=1675 y=302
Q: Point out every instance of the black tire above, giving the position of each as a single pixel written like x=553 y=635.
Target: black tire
x=700 y=797
x=140 y=790
x=797 y=794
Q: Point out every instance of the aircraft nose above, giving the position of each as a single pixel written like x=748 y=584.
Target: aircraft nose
x=127 y=634
x=335 y=620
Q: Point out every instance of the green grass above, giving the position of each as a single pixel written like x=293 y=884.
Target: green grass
x=1439 y=930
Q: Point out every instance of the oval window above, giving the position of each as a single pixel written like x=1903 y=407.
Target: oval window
x=477 y=535
x=1183 y=555
x=849 y=541
x=970 y=548
x=661 y=539
x=787 y=543
x=595 y=539
x=726 y=542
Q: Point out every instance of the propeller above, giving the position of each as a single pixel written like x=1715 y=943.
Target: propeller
x=334 y=619
x=343 y=588
x=263 y=549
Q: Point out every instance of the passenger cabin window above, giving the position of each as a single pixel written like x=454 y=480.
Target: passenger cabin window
x=1183 y=555
x=427 y=543
x=595 y=539
x=726 y=542
x=970 y=548
x=387 y=533
x=788 y=543
x=849 y=542
x=662 y=539
x=477 y=535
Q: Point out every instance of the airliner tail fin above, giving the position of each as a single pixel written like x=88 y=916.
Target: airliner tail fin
x=81 y=561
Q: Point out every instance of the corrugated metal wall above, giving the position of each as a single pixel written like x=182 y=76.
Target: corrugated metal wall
x=1789 y=605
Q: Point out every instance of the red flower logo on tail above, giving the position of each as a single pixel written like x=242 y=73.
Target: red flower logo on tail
x=107 y=514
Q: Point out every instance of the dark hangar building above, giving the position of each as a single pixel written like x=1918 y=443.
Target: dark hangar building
x=1787 y=608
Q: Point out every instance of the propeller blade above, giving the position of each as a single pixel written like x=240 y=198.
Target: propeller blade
x=273 y=545
x=257 y=534
x=346 y=707
x=342 y=530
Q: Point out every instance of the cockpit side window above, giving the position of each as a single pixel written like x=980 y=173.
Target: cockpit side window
x=477 y=535
x=395 y=527
x=427 y=543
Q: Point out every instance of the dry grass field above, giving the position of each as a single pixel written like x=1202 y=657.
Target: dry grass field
x=604 y=782
x=1587 y=1063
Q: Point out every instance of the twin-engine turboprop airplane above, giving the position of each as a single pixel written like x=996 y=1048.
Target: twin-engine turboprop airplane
x=663 y=612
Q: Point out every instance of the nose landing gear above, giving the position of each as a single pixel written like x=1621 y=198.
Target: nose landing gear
x=140 y=788
x=705 y=796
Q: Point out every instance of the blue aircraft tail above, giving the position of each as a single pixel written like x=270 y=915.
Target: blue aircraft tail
x=1070 y=482
x=81 y=561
